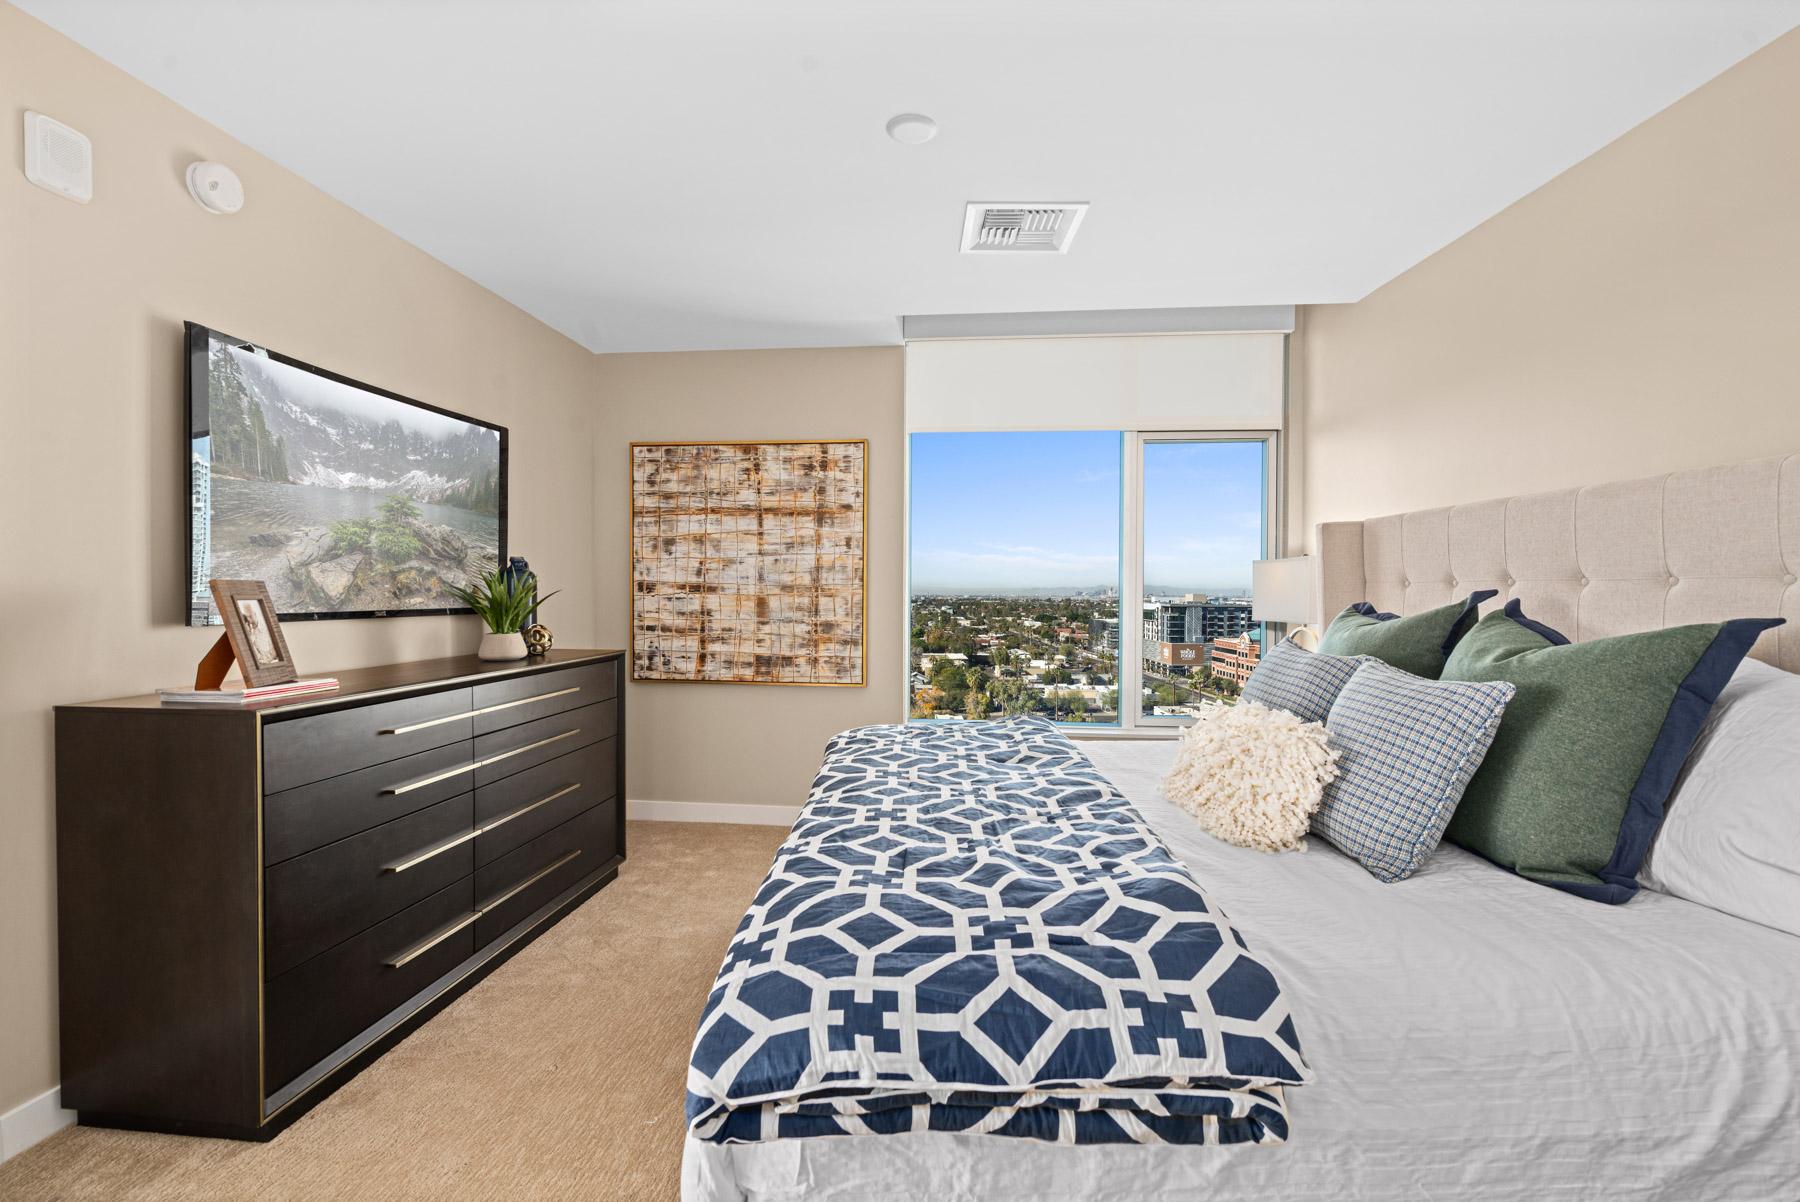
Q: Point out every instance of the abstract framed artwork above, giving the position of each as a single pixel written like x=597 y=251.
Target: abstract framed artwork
x=748 y=562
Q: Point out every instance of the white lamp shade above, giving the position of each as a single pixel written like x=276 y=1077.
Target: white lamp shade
x=1281 y=590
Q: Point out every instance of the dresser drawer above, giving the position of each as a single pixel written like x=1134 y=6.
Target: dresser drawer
x=514 y=811
x=517 y=748
x=521 y=699
x=299 y=820
x=514 y=886
x=299 y=751
x=322 y=1004
x=323 y=897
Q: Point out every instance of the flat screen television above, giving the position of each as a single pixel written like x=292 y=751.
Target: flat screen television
x=347 y=500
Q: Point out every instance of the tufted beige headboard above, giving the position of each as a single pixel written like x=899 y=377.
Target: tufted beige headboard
x=1608 y=559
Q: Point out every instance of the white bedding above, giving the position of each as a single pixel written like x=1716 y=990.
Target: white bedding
x=1568 y=1049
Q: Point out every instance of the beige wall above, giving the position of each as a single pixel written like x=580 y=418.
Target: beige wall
x=91 y=428
x=757 y=744
x=1637 y=314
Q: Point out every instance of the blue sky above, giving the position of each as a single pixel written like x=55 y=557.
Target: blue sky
x=1041 y=510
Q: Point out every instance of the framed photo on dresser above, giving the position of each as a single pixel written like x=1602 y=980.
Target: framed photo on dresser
x=256 y=640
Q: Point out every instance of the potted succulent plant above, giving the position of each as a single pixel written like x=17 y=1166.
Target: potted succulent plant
x=503 y=600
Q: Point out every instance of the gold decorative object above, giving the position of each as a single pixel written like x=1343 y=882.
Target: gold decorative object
x=538 y=638
x=748 y=562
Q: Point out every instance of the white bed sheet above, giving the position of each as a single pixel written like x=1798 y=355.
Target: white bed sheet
x=1475 y=1036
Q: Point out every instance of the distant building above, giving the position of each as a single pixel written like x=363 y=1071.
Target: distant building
x=1234 y=659
x=1103 y=634
x=1197 y=619
x=200 y=553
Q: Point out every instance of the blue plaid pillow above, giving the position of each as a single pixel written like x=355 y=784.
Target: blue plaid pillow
x=1406 y=748
x=1302 y=682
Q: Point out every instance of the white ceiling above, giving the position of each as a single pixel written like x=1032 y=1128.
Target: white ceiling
x=680 y=174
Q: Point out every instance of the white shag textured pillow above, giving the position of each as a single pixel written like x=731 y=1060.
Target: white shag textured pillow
x=1252 y=775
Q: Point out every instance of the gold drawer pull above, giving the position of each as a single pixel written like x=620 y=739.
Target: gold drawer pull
x=529 y=881
x=419 y=949
x=523 y=810
x=507 y=755
x=506 y=705
x=428 y=853
x=410 y=785
x=425 y=725
x=486 y=709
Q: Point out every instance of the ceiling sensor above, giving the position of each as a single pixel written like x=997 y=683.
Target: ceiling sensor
x=1021 y=227
x=216 y=186
x=912 y=129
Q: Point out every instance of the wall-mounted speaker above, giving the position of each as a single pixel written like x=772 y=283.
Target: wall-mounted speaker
x=58 y=158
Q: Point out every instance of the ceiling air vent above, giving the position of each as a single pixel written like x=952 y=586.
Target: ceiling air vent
x=1028 y=228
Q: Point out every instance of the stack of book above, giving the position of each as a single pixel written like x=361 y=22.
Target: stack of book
x=237 y=694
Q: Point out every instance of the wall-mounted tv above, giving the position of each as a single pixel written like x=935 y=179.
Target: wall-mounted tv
x=347 y=500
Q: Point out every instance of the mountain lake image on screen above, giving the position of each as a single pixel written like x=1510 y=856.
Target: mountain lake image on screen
x=345 y=500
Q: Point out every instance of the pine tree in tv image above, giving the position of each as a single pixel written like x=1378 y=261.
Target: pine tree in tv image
x=340 y=499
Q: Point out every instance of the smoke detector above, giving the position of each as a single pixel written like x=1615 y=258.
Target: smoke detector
x=216 y=187
x=1021 y=227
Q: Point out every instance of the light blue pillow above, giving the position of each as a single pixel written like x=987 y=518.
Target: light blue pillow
x=1302 y=682
x=1406 y=748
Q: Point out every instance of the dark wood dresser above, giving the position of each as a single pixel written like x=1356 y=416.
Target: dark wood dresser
x=255 y=902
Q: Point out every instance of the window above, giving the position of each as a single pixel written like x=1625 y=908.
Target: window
x=1022 y=544
x=1015 y=575
x=1205 y=520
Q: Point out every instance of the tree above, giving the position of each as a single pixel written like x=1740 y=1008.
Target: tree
x=953 y=687
x=1014 y=697
x=399 y=509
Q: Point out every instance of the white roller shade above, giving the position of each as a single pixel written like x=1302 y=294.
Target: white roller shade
x=1159 y=382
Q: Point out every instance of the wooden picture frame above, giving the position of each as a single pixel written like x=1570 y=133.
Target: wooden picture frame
x=252 y=637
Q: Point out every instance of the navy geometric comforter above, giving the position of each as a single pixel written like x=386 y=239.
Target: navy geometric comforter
x=970 y=929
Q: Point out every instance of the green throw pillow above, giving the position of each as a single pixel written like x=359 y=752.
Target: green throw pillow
x=1573 y=788
x=1417 y=643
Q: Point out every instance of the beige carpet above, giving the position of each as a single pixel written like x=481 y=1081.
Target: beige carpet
x=559 y=1076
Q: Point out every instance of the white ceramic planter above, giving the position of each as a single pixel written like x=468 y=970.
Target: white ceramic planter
x=502 y=646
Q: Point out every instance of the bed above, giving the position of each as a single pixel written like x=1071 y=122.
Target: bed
x=1472 y=1034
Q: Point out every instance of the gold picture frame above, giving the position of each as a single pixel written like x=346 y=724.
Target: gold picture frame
x=749 y=561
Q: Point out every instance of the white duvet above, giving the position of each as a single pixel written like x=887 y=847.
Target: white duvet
x=1556 y=1048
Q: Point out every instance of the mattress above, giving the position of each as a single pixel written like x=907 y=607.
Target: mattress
x=1556 y=1049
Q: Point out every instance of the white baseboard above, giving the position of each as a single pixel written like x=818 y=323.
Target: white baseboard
x=711 y=811
x=32 y=1122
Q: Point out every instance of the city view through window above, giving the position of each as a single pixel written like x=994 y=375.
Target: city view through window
x=1203 y=528
x=1017 y=611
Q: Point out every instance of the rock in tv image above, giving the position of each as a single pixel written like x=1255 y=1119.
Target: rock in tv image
x=347 y=501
